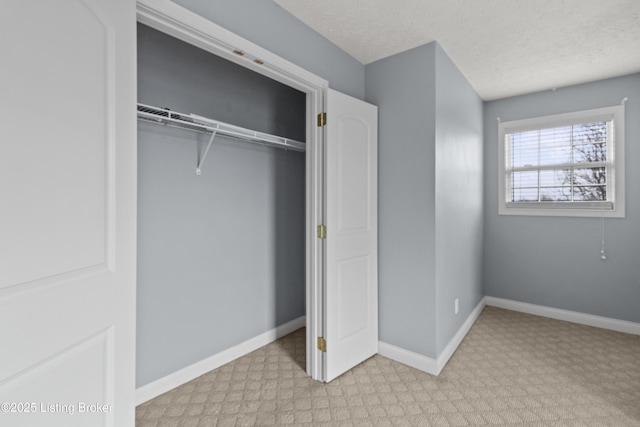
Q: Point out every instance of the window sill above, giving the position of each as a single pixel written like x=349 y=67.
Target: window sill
x=606 y=211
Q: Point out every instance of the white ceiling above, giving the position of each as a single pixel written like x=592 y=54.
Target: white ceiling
x=503 y=47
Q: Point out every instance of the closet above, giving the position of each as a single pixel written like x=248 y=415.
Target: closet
x=221 y=253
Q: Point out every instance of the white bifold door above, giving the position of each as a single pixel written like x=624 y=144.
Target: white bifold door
x=351 y=257
x=67 y=213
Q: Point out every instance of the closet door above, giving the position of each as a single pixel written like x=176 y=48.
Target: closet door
x=351 y=280
x=67 y=213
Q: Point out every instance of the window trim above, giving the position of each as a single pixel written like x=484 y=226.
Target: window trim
x=613 y=208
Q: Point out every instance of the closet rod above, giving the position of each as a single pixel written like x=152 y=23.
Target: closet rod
x=204 y=124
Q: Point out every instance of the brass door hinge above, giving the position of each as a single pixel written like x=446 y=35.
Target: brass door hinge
x=322 y=232
x=322 y=119
x=322 y=344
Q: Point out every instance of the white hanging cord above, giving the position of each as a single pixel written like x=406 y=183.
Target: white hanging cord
x=603 y=256
x=624 y=101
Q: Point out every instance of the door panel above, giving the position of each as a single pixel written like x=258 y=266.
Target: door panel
x=353 y=296
x=351 y=285
x=353 y=176
x=68 y=186
x=86 y=360
x=44 y=122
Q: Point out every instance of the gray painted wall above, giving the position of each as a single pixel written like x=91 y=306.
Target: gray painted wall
x=458 y=198
x=403 y=88
x=266 y=24
x=221 y=255
x=430 y=197
x=555 y=261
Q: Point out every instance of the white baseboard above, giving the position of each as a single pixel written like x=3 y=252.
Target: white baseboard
x=409 y=358
x=566 y=315
x=451 y=348
x=427 y=364
x=171 y=381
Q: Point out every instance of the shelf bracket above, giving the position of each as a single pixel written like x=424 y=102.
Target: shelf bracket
x=204 y=156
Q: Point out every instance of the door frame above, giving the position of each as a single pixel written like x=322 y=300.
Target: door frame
x=176 y=21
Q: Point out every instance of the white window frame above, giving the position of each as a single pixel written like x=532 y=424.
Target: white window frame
x=614 y=207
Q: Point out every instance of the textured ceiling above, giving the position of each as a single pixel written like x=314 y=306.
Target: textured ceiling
x=503 y=47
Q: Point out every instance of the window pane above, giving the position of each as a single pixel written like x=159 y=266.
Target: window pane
x=590 y=176
x=593 y=193
x=556 y=136
x=555 y=154
x=555 y=194
x=524 y=149
x=555 y=146
x=590 y=153
x=524 y=179
x=525 y=195
x=524 y=158
x=590 y=133
x=555 y=178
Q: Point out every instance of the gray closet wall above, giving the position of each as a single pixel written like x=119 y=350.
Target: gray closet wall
x=220 y=255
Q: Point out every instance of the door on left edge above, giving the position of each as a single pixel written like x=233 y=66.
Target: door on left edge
x=67 y=212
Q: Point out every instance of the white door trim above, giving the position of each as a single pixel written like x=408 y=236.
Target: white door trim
x=174 y=20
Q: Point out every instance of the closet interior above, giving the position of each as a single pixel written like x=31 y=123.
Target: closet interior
x=221 y=205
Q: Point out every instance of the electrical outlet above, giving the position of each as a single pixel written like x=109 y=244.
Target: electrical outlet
x=456 y=306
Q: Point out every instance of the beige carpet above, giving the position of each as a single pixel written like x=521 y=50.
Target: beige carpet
x=511 y=369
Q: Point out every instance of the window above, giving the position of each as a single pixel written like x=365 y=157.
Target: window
x=564 y=165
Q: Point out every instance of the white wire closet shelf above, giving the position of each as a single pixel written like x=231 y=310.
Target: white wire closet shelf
x=203 y=124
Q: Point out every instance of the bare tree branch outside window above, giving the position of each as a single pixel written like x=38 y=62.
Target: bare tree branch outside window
x=589 y=146
x=565 y=164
